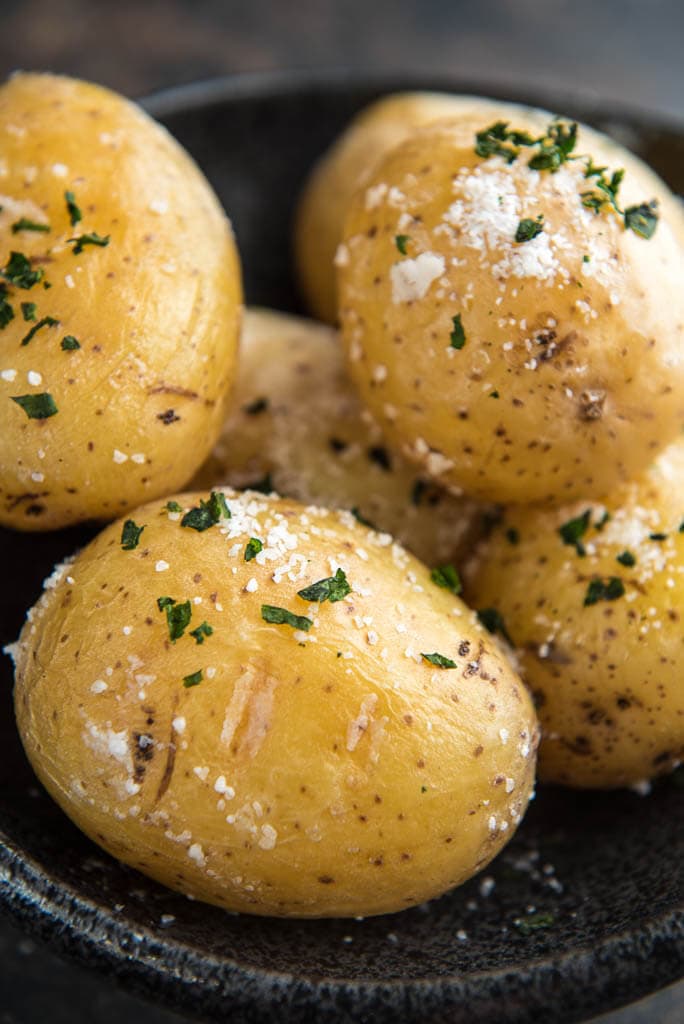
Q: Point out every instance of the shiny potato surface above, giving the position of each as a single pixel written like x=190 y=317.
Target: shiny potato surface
x=263 y=749
x=593 y=598
x=519 y=344
x=296 y=427
x=119 y=306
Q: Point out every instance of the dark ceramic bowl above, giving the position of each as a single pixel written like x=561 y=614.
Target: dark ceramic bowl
x=604 y=870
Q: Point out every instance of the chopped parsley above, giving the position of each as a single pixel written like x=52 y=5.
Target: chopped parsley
x=74 y=211
x=46 y=321
x=438 y=660
x=493 y=622
x=457 y=338
x=130 y=535
x=28 y=311
x=37 y=407
x=626 y=558
x=6 y=311
x=554 y=148
x=172 y=506
x=24 y=224
x=17 y=271
x=400 y=242
x=528 y=229
x=681 y=527
x=609 y=589
x=70 y=343
x=177 y=616
x=257 y=406
x=91 y=238
x=572 y=531
x=493 y=394
x=201 y=631
x=446 y=576
x=657 y=536
x=254 y=546
x=192 y=680
x=513 y=535
x=605 y=518
x=208 y=514
x=333 y=588
x=534 y=923
x=282 y=617
x=380 y=456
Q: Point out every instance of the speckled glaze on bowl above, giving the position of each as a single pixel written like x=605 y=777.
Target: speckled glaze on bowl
x=605 y=869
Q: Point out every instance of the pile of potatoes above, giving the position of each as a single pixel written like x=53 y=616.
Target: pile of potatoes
x=267 y=692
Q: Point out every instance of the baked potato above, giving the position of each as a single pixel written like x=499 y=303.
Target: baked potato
x=296 y=426
x=592 y=596
x=512 y=308
x=120 y=300
x=274 y=709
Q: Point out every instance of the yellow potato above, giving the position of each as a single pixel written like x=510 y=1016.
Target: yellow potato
x=532 y=370
x=317 y=767
x=113 y=378
x=297 y=428
x=605 y=666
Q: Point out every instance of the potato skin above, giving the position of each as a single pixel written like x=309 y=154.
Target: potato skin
x=606 y=678
x=296 y=421
x=156 y=311
x=308 y=774
x=571 y=376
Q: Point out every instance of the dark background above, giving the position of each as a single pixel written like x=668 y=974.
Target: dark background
x=627 y=53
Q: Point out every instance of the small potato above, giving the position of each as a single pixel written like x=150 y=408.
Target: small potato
x=297 y=428
x=119 y=306
x=347 y=165
x=593 y=598
x=518 y=344
x=264 y=749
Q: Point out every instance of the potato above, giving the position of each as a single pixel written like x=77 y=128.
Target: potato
x=539 y=369
x=118 y=318
x=317 y=767
x=347 y=165
x=599 y=634
x=296 y=427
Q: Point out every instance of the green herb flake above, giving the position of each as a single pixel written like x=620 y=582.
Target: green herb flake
x=423 y=789
x=528 y=229
x=282 y=617
x=681 y=527
x=208 y=514
x=202 y=631
x=513 y=535
x=69 y=343
x=400 y=242
x=493 y=622
x=657 y=536
x=254 y=546
x=333 y=588
x=130 y=535
x=37 y=407
x=24 y=224
x=457 y=337
x=6 y=311
x=574 y=529
x=192 y=680
x=494 y=394
x=177 y=616
x=642 y=219
x=73 y=209
x=605 y=518
x=46 y=321
x=28 y=311
x=18 y=272
x=91 y=238
x=172 y=506
x=446 y=576
x=609 y=589
x=438 y=660
x=626 y=558
x=534 y=923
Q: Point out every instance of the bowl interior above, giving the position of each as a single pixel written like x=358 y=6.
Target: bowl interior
x=604 y=869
